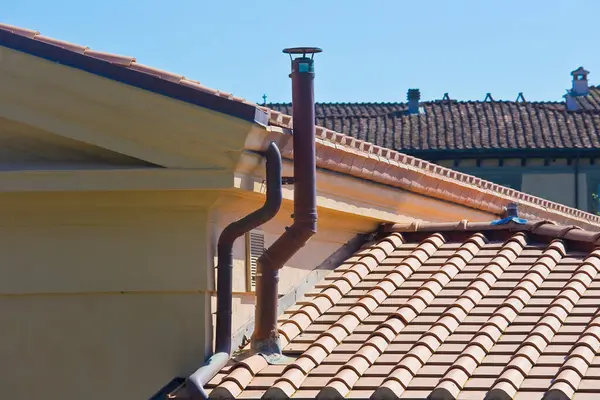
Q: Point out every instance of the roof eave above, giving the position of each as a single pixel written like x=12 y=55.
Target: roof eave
x=134 y=78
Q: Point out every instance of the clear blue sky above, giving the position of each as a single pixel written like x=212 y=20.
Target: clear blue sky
x=373 y=50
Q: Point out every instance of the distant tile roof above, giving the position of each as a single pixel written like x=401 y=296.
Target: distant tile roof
x=466 y=125
x=451 y=311
x=591 y=101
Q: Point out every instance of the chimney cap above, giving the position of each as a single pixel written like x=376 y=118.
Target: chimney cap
x=302 y=50
x=580 y=71
x=413 y=94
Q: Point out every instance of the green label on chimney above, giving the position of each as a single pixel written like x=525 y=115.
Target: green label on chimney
x=303 y=67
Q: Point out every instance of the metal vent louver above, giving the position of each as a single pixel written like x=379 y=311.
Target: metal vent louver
x=255 y=246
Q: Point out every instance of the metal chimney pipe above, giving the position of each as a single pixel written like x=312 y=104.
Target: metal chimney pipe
x=265 y=339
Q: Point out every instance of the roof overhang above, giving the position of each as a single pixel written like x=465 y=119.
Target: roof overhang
x=155 y=84
x=169 y=121
x=122 y=118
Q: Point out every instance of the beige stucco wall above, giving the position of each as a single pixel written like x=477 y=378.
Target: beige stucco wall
x=334 y=230
x=106 y=293
x=99 y=299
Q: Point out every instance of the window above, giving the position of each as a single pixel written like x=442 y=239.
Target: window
x=255 y=246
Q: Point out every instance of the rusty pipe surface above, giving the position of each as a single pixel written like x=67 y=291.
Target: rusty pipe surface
x=196 y=381
x=266 y=338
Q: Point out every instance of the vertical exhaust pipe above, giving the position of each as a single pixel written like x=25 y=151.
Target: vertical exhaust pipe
x=265 y=339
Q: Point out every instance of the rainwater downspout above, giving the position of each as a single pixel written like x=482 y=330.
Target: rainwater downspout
x=222 y=353
x=265 y=339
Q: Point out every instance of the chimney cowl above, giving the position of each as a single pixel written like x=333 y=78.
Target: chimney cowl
x=580 y=82
x=413 y=96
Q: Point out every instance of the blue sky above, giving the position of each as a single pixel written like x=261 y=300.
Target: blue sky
x=373 y=50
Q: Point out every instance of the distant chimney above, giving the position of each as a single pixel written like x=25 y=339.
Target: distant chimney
x=580 y=82
x=512 y=210
x=571 y=101
x=413 y=96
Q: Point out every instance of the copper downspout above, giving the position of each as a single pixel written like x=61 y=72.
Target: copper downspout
x=196 y=381
x=265 y=339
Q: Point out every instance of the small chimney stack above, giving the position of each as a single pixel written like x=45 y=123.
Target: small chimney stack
x=571 y=101
x=413 y=96
x=512 y=210
x=580 y=82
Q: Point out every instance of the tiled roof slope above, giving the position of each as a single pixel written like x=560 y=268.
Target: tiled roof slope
x=469 y=125
x=591 y=101
x=351 y=156
x=443 y=311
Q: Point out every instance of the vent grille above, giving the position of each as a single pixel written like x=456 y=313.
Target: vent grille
x=255 y=246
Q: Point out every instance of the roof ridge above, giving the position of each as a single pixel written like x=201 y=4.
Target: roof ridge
x=541 y=227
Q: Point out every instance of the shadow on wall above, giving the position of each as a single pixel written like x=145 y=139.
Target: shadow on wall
x=290 y=298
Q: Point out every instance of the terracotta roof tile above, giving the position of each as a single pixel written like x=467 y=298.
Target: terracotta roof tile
x=465 y=125
x=473 y=324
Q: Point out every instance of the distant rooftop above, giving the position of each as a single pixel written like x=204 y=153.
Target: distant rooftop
x=488 y=124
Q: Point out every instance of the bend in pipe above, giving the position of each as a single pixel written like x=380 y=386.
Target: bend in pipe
x=196 y=381
x=265 y=339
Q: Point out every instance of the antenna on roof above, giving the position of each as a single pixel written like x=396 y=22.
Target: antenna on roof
x=264 y=97
x=446 y=97
x=521 y=98
x=488 y=96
